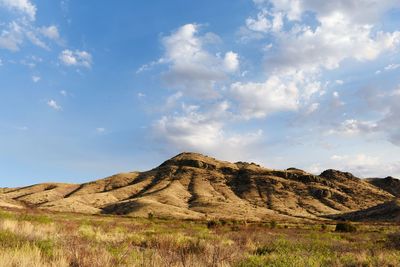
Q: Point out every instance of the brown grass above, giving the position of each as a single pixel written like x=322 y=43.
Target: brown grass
x=31 y=239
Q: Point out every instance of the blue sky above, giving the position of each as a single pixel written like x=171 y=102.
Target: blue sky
x=93 y=88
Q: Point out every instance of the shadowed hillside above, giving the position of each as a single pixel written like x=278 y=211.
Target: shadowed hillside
x=191 y=185
x=389 y=184
x=386 y=212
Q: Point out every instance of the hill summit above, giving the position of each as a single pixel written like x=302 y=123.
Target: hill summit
x=191 y=185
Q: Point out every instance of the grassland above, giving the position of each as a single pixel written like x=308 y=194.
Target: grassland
x=29 y=238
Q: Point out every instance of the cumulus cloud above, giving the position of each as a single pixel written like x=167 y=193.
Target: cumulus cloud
x=259 y=24
x=303 y=51
x=193 y=69
x=23 y=6
x=345 y=30
x=22 y=27
x=76 y=58
x=363 y=165
x=304 y=40
x=53 y=104
x=257 y=100
x=204 y=132
x=335 y=40
x=231 y=61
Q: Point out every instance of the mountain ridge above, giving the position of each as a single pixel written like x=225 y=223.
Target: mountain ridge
x=195 y=186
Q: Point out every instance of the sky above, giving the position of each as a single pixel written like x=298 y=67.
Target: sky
x=93 y=88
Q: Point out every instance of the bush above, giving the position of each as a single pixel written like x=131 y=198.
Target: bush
x=213 y=224
x=323 y=227
x=393 y=240
x=273 y=224
x=345 y=227
x=150 y=215
x=264 y=250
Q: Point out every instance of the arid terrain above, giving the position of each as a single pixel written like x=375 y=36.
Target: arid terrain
x=194 y=186
x=194 y=210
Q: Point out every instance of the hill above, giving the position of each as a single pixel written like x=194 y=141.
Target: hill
x=385 y=212
x=389 y=184
x=192 y=185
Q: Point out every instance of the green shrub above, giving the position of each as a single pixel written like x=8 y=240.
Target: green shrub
x=345 y=227
x=264 y=250
x=273 y=224
x=213 y=224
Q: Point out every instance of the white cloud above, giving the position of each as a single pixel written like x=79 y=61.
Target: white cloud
x=53 y=104
x=302 y=51
x=333 y=41
x=50 y=32
x=259 y=24
x=363 y=165
x=76 y=58
x=204 y=132
x=12 y=37
x=100 y=130
x=345 y=29
x=23 y=6
x=35 y=79
x=33 y=37
x=231 y=61
x=63 y=93
x=355 y=127
x=265 y=22
x=172 y=100
x=392 y=67
x=360 y=11
x=385 y=107
x=304 y=40
x=257 y=100
x=193 y=69
x=16 y=31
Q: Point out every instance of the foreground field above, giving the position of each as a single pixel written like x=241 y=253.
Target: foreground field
x=41 y=239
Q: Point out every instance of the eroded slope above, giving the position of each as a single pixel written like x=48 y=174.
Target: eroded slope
x=191 y=185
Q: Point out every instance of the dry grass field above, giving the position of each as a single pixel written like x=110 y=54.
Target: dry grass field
x=36 y=238
x=194 y=210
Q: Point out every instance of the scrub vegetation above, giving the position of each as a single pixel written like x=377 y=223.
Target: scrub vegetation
x=39 y=238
